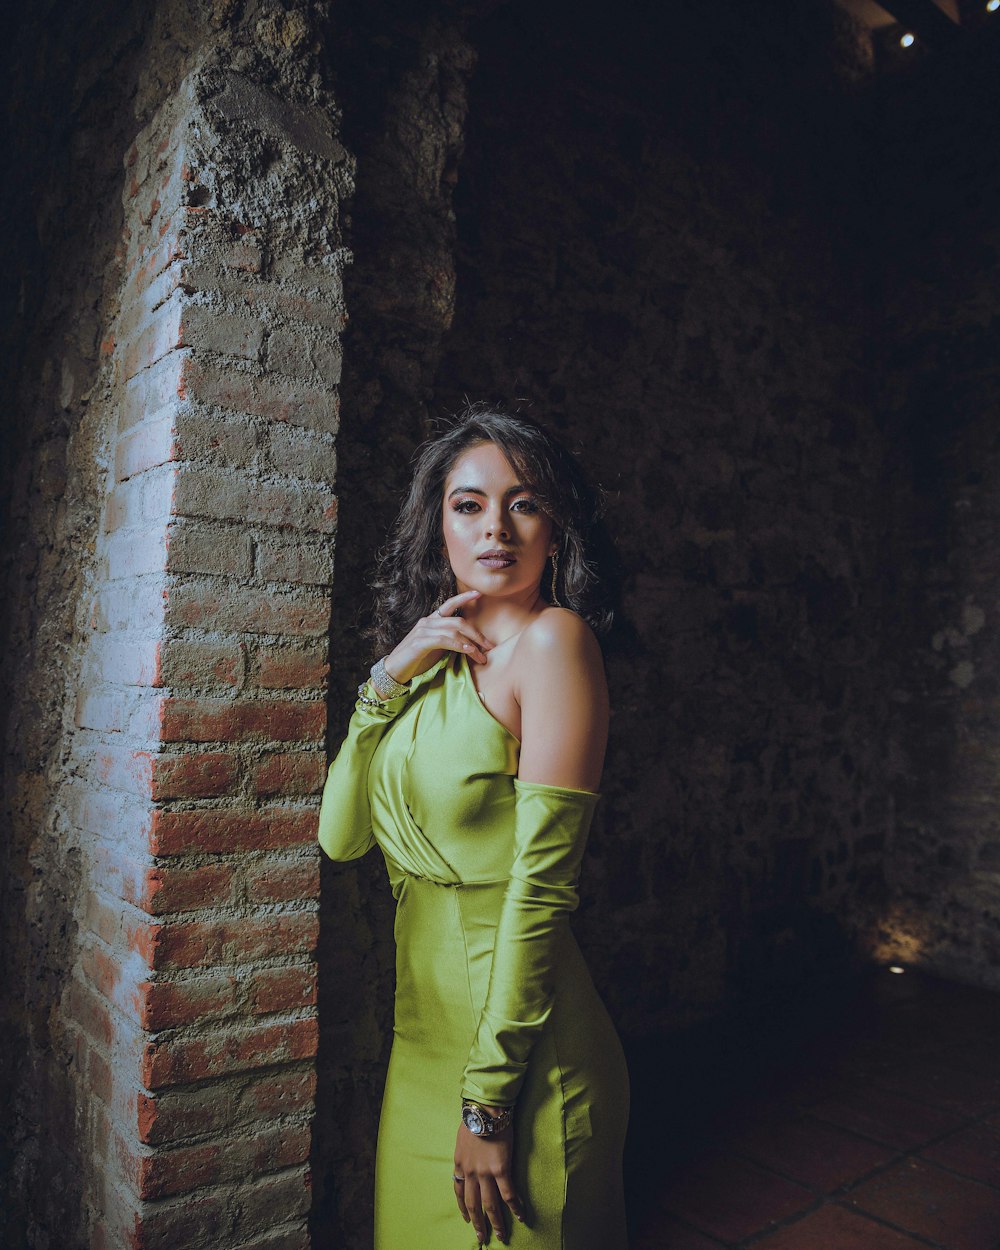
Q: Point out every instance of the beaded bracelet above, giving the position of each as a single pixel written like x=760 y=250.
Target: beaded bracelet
x=367 y=700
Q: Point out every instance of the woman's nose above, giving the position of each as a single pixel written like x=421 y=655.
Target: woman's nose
x=496 y=525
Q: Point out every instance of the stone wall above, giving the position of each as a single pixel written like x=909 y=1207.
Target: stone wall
x=662 y=253
x=941 y=394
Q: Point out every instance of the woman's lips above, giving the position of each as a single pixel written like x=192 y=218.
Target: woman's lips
x=496 y=560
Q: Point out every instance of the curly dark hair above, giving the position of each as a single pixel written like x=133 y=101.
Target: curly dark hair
x=413 y=575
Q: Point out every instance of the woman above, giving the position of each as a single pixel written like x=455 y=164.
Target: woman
x=473 y=759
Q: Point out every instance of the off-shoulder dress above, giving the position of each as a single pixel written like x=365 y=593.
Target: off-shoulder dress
x=493 y=1001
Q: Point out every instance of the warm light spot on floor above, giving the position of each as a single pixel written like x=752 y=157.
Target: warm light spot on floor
x=896 y=968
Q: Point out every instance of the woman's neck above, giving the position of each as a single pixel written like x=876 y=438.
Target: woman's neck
x=502 y=619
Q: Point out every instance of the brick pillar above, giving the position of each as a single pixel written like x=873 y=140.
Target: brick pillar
x=200 y=722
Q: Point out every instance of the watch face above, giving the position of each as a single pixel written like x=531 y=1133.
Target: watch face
x=473 y=1120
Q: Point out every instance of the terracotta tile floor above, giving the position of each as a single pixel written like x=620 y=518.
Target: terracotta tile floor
x=869 y=1120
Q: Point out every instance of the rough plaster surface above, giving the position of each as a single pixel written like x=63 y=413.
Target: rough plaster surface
x=941 y=391
x=679 y=285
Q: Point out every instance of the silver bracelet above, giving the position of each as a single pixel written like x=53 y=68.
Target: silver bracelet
x=388 y=687
x=366 y=699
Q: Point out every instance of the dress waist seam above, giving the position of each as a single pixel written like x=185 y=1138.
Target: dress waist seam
x=454 y=885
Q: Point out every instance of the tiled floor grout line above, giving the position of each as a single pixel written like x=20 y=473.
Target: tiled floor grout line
x=969 y=1140
x=843 y=1191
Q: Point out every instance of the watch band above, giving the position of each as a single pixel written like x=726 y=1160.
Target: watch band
x=481 y=1123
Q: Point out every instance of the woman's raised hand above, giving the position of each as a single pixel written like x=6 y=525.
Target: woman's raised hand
x=433 y=635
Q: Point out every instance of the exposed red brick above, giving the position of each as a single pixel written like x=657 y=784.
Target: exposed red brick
x=201 y=775
x=282 y=882
x=173 y=1004
x=290 y=668
x=179 y=1171
x=181 y=1111
x=234 y=940
x=290 y=773
x=284 y=1092
x=222 y=720
x=198 y=662
x=235 y=1049
x=158 y=890
x=201 y=604
x=279 y=989
x=169 y=1224
x=314 y=407
x=220 y=831
x=193 y=547
x=288 y=1193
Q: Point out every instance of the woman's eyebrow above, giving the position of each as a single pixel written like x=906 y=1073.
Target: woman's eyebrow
x=478 y=490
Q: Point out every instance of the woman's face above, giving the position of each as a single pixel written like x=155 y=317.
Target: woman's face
x=496 y=535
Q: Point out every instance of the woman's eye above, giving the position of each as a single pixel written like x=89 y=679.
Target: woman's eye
x=466 y=505
x=525 y=505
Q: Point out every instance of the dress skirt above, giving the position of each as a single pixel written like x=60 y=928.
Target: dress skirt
x=570 y=1117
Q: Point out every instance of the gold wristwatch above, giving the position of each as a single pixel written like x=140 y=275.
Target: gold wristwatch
x=481 y=1123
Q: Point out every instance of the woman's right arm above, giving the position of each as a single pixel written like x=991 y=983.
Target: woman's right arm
x=345 y=816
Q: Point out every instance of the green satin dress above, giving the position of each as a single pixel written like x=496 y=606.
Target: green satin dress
x=493 y=998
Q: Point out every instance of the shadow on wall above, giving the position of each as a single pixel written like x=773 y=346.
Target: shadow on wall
x=657 y=239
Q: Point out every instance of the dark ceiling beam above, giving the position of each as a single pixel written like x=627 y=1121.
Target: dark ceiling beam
x=925 y=19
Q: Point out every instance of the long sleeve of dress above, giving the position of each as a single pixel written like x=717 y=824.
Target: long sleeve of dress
x=550 y=833
x=345 y=817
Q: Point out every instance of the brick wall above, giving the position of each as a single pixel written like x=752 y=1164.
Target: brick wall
x=183 y=772
x=201 y=717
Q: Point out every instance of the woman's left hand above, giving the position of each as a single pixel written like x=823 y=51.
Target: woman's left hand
x=486 y=1166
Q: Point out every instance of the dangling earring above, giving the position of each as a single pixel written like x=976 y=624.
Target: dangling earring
x=553 y=597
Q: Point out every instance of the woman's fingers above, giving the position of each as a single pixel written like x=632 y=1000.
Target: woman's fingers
x=474 y=1206
x=511 y=1197
x=459 y=635
x=481 y=1201
x=463 y=628
x=460 y=1196
x=451 y=606
x=493 y=1207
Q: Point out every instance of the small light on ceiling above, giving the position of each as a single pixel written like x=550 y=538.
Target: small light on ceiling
x=896 y=968
x=908 y=40
x=992 y=6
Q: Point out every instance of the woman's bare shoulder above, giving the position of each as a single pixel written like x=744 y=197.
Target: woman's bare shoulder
x=561 y=638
